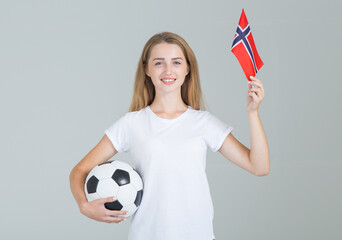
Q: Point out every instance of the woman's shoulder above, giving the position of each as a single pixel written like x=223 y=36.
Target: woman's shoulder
x=136 y=114
x=199 y=112
x=205 y=115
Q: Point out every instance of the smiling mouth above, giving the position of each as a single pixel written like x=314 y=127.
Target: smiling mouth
x=168 y=80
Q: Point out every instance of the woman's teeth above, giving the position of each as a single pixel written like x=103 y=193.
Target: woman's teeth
x=168 y=80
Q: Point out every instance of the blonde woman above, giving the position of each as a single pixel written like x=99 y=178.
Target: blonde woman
x=167 y=132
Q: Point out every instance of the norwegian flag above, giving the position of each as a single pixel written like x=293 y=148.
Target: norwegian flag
x=244 y=48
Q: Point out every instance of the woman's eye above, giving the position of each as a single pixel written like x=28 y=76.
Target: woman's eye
x=177 y=63
x=157 y=63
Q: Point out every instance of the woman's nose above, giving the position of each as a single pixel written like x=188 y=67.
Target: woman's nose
x=168 y=69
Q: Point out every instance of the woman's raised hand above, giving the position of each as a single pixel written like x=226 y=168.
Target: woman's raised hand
x=255 y=95
x=97 y=211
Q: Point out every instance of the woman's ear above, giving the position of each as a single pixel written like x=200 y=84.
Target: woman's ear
x=146 y=71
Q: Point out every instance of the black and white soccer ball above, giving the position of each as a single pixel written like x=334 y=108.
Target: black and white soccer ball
x=115 y=179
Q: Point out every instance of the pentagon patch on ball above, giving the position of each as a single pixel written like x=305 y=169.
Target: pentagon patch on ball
x=115 y=179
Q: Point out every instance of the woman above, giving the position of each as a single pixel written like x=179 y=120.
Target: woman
x=167 y=136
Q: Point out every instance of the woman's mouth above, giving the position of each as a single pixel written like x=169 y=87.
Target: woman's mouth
x=168 y=81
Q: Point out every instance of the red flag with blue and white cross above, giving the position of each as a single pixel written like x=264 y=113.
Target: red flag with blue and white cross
x=244 y=48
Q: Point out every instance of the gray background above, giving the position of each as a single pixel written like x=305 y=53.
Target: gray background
x=67 y=73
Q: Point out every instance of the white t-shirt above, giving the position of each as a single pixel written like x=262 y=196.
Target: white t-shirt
x=170 y=156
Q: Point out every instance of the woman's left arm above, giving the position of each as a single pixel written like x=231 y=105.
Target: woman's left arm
x=255 y=160
x=259 y=152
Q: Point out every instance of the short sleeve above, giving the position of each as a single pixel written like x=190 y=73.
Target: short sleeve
x=118 y=134
x=215 y=132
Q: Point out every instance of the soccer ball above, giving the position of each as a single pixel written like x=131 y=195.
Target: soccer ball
x=115 y=179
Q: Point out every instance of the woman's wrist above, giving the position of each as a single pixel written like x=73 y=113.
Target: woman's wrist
x=253 y=112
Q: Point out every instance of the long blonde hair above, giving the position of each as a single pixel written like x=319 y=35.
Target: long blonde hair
x=144 y=91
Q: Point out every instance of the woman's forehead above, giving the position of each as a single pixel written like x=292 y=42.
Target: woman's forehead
x=166 y=50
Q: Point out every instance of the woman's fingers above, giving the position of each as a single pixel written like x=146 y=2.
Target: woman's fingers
x=114 y=217
x=108 y=199
x=255 y=83
x=110 y=216
x=254 y=79
x=255 y=95
x=256 y=90
x=110 y=219
x=115 y=213
x=259 y=86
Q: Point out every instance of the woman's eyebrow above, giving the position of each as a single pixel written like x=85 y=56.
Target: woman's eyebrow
x=164 y=58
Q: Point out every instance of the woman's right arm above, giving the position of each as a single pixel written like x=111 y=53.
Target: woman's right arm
x=101 y=153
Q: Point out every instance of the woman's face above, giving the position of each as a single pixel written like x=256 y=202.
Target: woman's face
x=167 y=67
